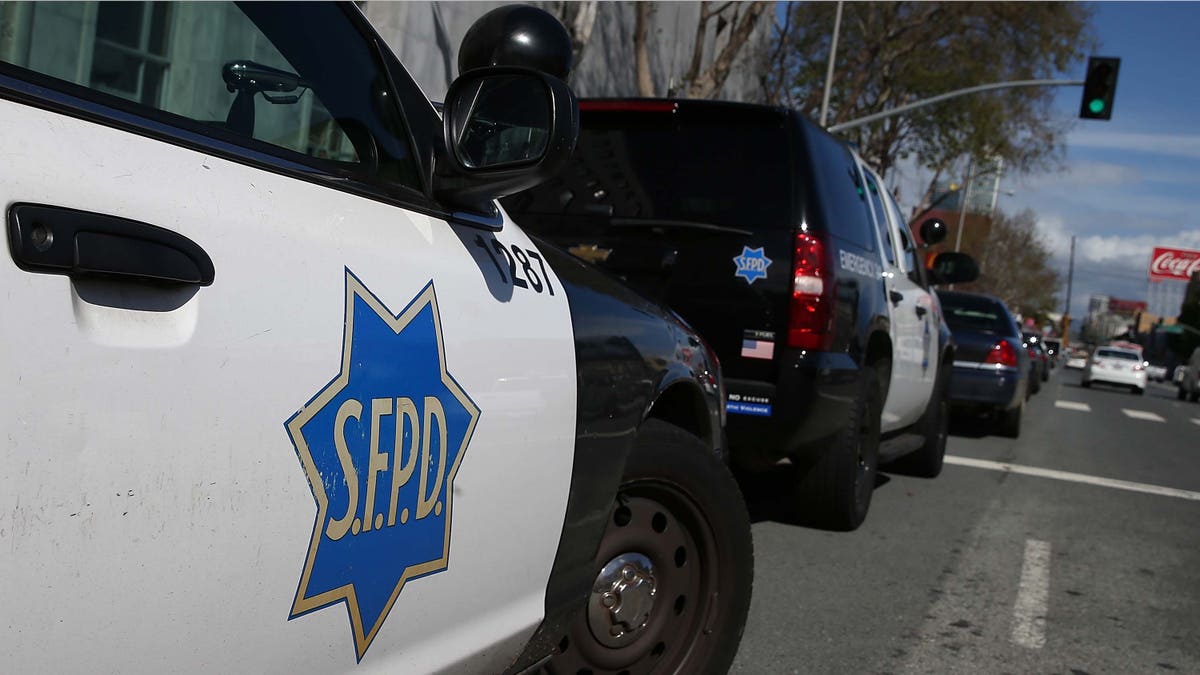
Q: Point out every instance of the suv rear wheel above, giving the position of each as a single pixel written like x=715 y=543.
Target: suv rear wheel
x=674 y=569
x=835 y=491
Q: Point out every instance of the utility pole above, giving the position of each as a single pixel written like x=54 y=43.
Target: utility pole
x=1066 y=320
x=837 y=26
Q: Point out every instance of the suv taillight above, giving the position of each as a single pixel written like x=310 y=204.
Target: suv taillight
x=810 y=322
x=1003 y=354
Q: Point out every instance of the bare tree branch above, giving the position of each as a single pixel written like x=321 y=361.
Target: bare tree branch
x=708 y=83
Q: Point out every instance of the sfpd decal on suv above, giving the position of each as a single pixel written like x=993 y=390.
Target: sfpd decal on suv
x=380 y=445
x=752 y=264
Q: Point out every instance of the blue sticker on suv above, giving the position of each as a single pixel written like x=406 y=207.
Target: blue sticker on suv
x=752 y=264
x=381 y=444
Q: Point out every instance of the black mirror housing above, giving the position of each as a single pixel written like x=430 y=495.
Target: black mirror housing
x=953 y=268
x=933 y=231
x=505 y=129
x=517 y=35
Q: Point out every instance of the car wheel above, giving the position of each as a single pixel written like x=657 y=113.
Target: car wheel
x=1180 y=393
x=1035 y=383
x=1138 y=390
x=1010 y=421
x=1045 y=375
x=674 y=569
x=1194 y=396
x=927 y=460
x=1085 y=383
x=835 y=490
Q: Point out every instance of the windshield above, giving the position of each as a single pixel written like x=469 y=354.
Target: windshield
x=653 y=166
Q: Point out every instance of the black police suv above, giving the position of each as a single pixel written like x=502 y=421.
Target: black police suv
x=767 y=234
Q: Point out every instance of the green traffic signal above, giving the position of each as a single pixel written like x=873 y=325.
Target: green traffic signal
x=1099 y=88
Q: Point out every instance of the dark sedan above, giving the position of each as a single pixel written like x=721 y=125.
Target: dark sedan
x=991 y=363
x=1039 y=360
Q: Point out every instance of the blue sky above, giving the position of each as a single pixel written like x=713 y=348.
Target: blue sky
x=1133 y=182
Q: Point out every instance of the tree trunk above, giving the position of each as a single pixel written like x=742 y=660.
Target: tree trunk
x=645 y=84
x=709 y=82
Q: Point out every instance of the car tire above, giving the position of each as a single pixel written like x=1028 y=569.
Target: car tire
x=680 y=521
x=1180 y=393
x=927 y=461
x=1035 y=383
x=834 y=491
x=1010 y=421
x=1194 y=396
x=1138 y=390
x=1045 y=375
x=1085 y=383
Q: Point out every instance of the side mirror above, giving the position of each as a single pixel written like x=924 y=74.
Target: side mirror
x=505 y=129
x=952 y=268
x=933 y=231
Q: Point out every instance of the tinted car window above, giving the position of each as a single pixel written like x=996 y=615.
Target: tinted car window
x=1116 y=354
x=656 y=165
x=838 y=185
x=910 y=260
x=881 y=221
x=975 y=314
x=244 y=73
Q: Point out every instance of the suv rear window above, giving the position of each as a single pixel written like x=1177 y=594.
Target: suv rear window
x=731 y=171
x=975 y=314
x=1116 y=354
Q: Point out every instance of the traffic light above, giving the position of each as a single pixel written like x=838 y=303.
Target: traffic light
x=1099 y=88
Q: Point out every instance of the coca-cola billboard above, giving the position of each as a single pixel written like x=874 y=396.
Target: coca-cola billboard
x=1174 y=263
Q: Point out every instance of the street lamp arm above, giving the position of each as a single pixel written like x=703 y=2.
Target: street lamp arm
x=949 y=95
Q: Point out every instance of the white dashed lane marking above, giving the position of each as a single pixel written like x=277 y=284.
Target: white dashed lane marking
x=1196 y=420
x=1074 y=477
x=1033 y=593
x=1073 y=405
x=1142 y=415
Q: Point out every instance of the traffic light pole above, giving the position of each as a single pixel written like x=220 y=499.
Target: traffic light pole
x=899 y=110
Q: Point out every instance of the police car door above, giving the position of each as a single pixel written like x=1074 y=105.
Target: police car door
x=903 y=404
x=262 y=412
x=912 y=282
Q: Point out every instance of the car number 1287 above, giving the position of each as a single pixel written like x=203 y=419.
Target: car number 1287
x=526 y=276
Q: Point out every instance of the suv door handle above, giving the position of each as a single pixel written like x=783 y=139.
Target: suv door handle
x=920 y=311
x=896 y=297
x=57 y=240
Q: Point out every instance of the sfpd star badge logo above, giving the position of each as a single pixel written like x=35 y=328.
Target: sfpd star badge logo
x=381 y=444
x=752 y=264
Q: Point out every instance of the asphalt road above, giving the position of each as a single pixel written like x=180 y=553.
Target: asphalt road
x=1092 y=567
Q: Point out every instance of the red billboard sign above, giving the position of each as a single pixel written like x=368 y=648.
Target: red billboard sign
x=1174 y=263
x=1119 y=306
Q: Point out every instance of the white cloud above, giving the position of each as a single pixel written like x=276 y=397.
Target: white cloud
x=1176 y=145
x=1089 y=174
x=1123 y=254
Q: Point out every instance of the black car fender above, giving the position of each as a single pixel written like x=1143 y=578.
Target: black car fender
x=635 y=360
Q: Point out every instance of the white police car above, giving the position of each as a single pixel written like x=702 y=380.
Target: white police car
x=285 y=392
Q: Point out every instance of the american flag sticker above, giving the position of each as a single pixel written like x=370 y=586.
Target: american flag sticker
x=758 y=349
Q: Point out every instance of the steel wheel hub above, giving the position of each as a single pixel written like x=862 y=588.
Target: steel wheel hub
x=622 y=599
